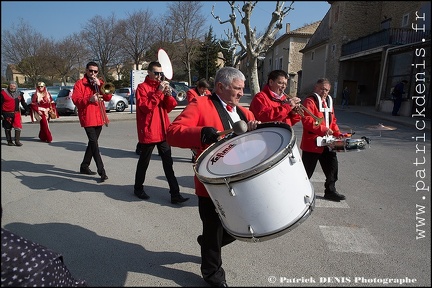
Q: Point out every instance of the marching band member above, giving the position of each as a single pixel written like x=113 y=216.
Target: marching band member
x=272 y=104
x=321 y=106
x=92 y=116
x=196 y=127
x=200 y=90
x=153 y=103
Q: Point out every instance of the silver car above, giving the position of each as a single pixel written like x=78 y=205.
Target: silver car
x=65 y=105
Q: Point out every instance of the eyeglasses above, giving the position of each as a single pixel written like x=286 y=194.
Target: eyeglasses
x=93 y=71
x=158 y=73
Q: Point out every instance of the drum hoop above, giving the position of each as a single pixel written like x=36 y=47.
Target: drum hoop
x=252 y=171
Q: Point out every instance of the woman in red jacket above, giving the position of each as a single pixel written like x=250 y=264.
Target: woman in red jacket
x=42 y=102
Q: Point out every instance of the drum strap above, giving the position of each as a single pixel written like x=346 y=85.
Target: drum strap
x=227 y=122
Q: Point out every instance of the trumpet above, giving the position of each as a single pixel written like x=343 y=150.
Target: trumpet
x=168 y=90
x=302 y=109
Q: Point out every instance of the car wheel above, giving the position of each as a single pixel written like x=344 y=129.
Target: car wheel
x=121 y=106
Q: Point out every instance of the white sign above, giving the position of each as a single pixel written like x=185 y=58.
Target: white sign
x=137 y=77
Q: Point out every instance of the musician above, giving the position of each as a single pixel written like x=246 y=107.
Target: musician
x=272 y=104
x=196 y=127
x=89 y=100
x=201 y=89
x=154 y=101
x=321 y=106
x=11 y=98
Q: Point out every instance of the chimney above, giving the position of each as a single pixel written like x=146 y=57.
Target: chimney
x=288 y=27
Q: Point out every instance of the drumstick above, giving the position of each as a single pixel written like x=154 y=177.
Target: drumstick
x=239 y=127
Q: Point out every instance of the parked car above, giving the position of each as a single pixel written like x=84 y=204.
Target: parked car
x=65 y=105
x=117 y=103
x=125 y=92
x=28 y=93
x=54 y=90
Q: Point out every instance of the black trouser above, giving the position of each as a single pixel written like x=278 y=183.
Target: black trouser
x=396 y=106
x=214 y=237
x=92 y=150
x=329 y=164
x=164 y=151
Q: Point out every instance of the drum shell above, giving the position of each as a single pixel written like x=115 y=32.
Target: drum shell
x=265 y=200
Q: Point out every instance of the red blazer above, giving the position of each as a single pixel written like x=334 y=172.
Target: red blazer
x=311 y=131
x=192 y=93
x=266 y=109
x=185 y=130
x=152 y=112
x=89 y=113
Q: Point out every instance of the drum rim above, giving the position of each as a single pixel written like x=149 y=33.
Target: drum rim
x=252 y=171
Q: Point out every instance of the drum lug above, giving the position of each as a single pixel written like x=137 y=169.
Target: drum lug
x=292 y=157
x=230 y=189
x=307 y=200
x=253 y=239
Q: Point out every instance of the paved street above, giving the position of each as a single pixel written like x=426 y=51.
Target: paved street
x=378 y=236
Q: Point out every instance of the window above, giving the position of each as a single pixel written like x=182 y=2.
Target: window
x=405 y=20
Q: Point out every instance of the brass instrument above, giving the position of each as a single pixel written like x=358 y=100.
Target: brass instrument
x=180 y=95
x=106 y=88
x=301 y=109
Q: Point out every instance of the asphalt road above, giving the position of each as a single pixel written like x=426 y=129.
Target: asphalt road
x=379 y=235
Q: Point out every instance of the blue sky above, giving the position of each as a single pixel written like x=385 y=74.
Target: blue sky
x=59 y=19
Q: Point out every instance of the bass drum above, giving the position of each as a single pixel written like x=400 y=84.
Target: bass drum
x=257 y=182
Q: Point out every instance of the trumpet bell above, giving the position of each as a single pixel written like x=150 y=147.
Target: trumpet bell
x=181 y=95
x=108 y=88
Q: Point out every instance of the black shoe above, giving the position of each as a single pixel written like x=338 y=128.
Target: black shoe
x=141 y=194
x=104 y=177
x=334 y=196
x=178 y=199
x=199 y=240
x=87 y=171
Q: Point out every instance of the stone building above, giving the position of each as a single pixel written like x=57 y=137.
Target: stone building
x=369 y=46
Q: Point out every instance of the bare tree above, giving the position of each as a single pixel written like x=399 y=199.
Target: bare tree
x=137 y=34
x=22 y=46
x=187 y=19
x=253 y=45
x=101 y=37
x=67 y=56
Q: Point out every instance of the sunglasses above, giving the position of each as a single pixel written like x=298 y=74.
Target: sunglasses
x=40 y=86
x=158 y=73
x=93 y=71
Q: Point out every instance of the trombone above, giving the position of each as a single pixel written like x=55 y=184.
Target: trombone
x=302 y=109
x=106 y=88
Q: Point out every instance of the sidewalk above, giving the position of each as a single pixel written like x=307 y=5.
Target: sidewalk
x=245 y=101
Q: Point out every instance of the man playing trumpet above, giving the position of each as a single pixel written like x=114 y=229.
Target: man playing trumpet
x=272 y=104
x=153 y=103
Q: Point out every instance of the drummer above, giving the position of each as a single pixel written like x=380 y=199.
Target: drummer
x=321 y=106
x=197 y=127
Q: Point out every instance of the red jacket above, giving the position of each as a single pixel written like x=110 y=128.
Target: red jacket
x=312 y=131
x=266 y=109
x=152 y=112
x=185 y=130
x=192 y=93
x=89 y=113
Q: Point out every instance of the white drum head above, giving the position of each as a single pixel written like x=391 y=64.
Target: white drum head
x=165 y=62
x=244 y=155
